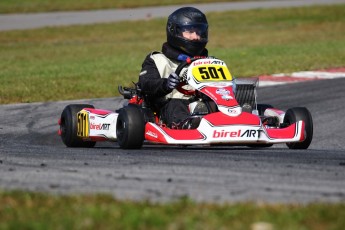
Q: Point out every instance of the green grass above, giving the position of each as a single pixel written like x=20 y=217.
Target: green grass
x=90 y=61
x=25 y=6
x=23 y=210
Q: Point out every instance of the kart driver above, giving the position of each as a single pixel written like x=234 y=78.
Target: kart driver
x=187 y=36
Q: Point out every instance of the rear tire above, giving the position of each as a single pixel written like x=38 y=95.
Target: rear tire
x=130 y=128
x=300 y=114
x=69 y=125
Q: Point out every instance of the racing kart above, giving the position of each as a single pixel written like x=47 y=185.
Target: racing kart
x=223 y=111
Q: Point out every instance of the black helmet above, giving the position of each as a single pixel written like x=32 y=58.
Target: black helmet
x=187 y=18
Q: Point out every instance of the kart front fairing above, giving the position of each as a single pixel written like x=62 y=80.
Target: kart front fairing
x=215 y=128
x=212 y=78
x=219 y=128
x=228 y=125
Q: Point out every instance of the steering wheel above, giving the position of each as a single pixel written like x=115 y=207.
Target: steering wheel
x=178 y=71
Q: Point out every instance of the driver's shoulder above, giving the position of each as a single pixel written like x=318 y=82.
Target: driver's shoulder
x=160 y=59
x=157 y=54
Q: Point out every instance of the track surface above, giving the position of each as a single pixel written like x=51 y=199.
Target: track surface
x=32 y=157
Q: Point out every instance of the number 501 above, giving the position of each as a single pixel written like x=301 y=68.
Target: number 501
x=211 y=72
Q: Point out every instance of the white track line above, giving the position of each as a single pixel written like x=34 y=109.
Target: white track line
x=286 y=78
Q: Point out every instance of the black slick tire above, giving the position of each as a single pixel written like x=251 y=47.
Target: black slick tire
x=300 y=114
x=69 y=124
x=130 y=128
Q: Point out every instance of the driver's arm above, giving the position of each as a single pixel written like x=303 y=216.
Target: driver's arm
x=150 y=80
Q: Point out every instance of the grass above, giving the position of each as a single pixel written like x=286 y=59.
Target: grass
x=25 y=6
x=76 y=62
x=90 y=61
x=23 y=210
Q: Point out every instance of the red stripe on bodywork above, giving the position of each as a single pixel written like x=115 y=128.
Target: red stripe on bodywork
x=97 y=138
x=303 y=132
x=283 y=133
x=98 y=111
x=219 y=119
x=219 y=98
x=153 y=134
x=183 y=134
x=156 y=134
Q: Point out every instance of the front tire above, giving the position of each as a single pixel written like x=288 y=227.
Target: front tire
x=130 y=128
x=300 y=114
x=69 y=126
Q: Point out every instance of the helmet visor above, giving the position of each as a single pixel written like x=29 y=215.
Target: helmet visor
x=200 y=29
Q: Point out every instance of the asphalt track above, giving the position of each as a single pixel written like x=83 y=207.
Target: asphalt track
x=33 y=158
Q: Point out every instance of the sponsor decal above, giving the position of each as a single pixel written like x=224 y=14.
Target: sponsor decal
x=227 y=97
x=219 y=84
x=238 y=133
x=201 y=62
x=101 y=126
x=225 y=93
x=233 y=111
x=218 y=62
x=222 y=91
x=152 y=134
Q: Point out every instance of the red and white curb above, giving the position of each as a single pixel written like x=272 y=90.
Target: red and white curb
x=283 y=78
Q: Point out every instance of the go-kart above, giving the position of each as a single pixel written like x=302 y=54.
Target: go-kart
x=223 y=111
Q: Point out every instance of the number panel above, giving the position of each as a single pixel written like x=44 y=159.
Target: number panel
x=83 y=124
x=211 y=73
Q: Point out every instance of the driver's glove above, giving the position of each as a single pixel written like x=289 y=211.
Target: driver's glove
x=173 y=81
